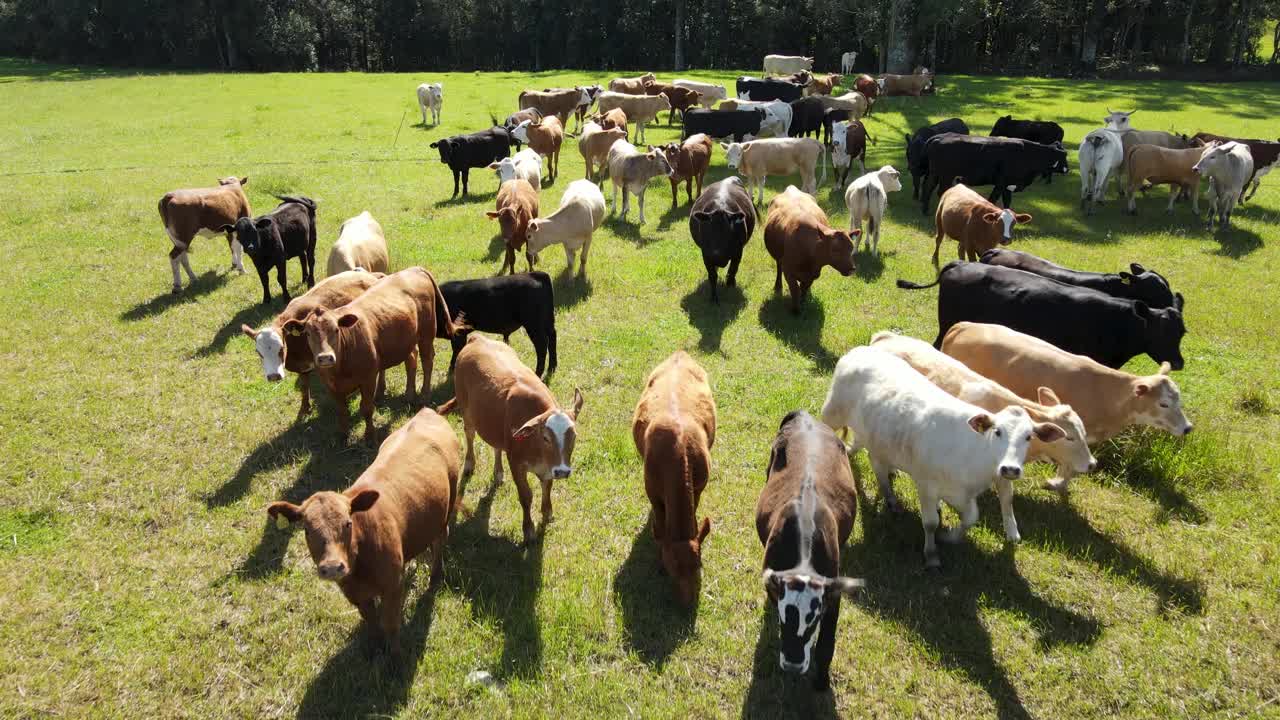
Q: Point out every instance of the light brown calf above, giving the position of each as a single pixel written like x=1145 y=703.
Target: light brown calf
x=203 y=211
x=801 y=242
x=560 y=103
x=361 y=244
x=689 y=161
x=615 y=118
x=640 y=108
x=544 y=138
x=914 y=85
x=633 y=85
x=976 y=222
x=517 y=205
x=823 y=84
x=594 y=144
x=1159 y=166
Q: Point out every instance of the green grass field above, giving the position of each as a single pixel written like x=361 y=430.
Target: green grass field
x=140 y=577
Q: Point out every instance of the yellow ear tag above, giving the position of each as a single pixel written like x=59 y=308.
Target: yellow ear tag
x=282 y=522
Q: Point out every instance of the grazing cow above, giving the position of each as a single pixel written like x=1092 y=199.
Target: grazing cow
x=280 y=350
x=913 y=85
x=786 y=64
x=203 y=211
x=721 y=222
x=917 y=161
x=953 y=450
x=846 y=62
x=557 y=101
x=517 y=206
x=393 y=322
x=615 y=118
x=849 y=140
x=1076 y=319
x=720 y=124
x=476 y=150
x=823 y=84
x=855 y=102
x=431 y=97
x=1070 y=453
x=524 y=165
x=504 y=401
x=631 y=86
x=708 y=93
x=1138 y=284
x=1229 y=167
x=689 y=161
x=680 y=98
x=758 y=159
x=801 y=242
x=403 y=504
x=594 y=144
x=361 y=244
x=1107 y=400
x=674 y=427
x=631 y=170
x=1008 y=164
x=806 y=117
x=580 y=213
x=978 y=224
x=1101 y=156
x=503 y=305
x=867 y=197
x=544 y=138
x=1041 y=131
x=270 y=240
x=1158 y=165
x=640 y=109
x=777 y=114
x=868 y=86
x=1266 y=155
x=763 y=90
x=515 y=118
x=803 y=518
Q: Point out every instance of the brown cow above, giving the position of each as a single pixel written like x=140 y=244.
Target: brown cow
x=674 y=427
x=689 y=161
x=401 y=505
x=203 y=211
x=503 y=400
x=393 y=322
x=615 y=118
x=801 y=241
x=631 y=86
x=681 y=98
x=977 y=223
x=545 y=138
x=560 y=103
x=594 y=144
x=823 y=84
x=914 y=85
x=517 y=205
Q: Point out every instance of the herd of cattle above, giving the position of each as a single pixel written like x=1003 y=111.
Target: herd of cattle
x=1025 y=365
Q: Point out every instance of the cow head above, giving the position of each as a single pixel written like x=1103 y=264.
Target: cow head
x=1164 y=331
x=1118 y=120
x=323 y=329
x=233 y=180
x=891 y=180
x=1002 y=125
x=1148 y=286
x=1215 y=158
x=1059 y=165
x=840 y=135
x=254 y=235
x=546 y=441
x=1072 y=450
x=445 y=146
x=521 y=132
x=331 y=521
x=1005 y=219
x=732 y=154
x=1158 y=403
x=511 y=220
x=838 y=246
x=1008 y=433
x=271 y=350
x=719 y=234
x=802 y=598
x=658 y=161
x=682 y=559
x=435 y=91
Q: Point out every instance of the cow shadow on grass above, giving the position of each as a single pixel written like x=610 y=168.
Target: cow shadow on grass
x=254 y=316
x=710 y=318
x=654 y=623
x=774 y=693
x=571 y=288
x=675 y=214
x=204 y=284
x=1236 y=242
x=802 y=332
x=871 y=267
x=468 y=199
x=629 y=229
x=1143 y=473
x=497 y=248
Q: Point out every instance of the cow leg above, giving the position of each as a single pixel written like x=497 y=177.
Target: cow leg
x=539 y=341
x=640 y=197
x=282 y=277
x=1004 y=488
x=469 y=431
x=367 y=391
x=391 y=609
x=969 y=517
x=547 y=513
x=457 y=341
x=797 y=294
x=237 y=254
x=551 y=346
x=930 y=519
x=777 y=278
x=884 y=480
x=437 y=561
x=659 y=524
x=423 y=108
x=712 y=277
x=1059 y=483
x=825 y=647
x=266 y=290
x=382 y=386
x=410 y=377
x=582 y=264
x=466 y=177
x=1173 y=195
x=427 y=356
x=497 y=465
x=456 y=174
x=688 y=187
x=626 y=204
x=174 y=254
x=675 y=194
x=304 y=389
x=731 y=277
x=344 y=415
x=518 y=474
x=570 y=256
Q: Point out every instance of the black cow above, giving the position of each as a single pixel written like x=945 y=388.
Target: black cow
x=502 y=305
x=723 y=123
x=1140 y=283
x=1043 y=132
x=750 y=88
x=721 y=222
x=806 y=117
x=917 y=165
x=1076 y=319
x=830 y=118
x=477 y=150
x=270 y=240
x=1008 y=164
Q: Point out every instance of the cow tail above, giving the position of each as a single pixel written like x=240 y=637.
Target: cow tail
x=871 y=221
x=908 y=285
x=302 y=200
x=163 y=207
x=493 y=118
x=446 y=325
x=449 y=406
x=1096 y=141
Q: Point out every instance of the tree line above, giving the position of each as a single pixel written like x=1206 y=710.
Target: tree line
x=1053 y=37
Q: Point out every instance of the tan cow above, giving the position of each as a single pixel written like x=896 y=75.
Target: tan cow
x=854 y=102
x=640 y=109
x=823 y=84
x=517 y=207
x=361 y=244
x=914 y=85
x=203 y=211
x=674 y=427
x=580 y=213
x=689 y=161
x=801 y=242
x=758 y=159
x=631 y=170
x=708 y=93
x=594 y=144
x=403 y=504
x=633 y=85
x=977 y=223
x=544 y=138
x=560 y=103
x=615 y=118
x=1160 y=166
x=507 y=404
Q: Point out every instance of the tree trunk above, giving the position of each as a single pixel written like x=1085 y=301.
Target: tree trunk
x=901 y=43
x=1275 y=43
x=1185 y=54
x=679 y=35
x=1220 y=43
x=1092 y=29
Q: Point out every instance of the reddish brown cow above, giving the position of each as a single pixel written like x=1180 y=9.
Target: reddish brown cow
x=823 y=84
x=674 y=428
x=401 y=505
x=977 y=223
x=801 y=241
x=517 y=205
x=615 y=118
x=681 y=98
x=503 y=400
x=689 y=161
x=393 y=322
x=203 y=211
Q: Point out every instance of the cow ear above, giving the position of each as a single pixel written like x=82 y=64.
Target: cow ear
x=842 y=586
x=772 y=583
x=364 y=500
x=1177 y=301
x=1141 y=309
x=1142 y=388
x=348 y=320
x=227 y=228
x=1136 y=269
x=700 y=216
x=435 y=144
x=286 y=510
x=704 y=531
x=292 y=327
x=981 y=423
x=262 y=223
x=1165 y=367
x=725 y=146
x=1048 y=432
x=492 y=215
x=244 y=180
x=492 y=166
x=1022 y=218
x=1126 y=277
x=1046 y=396
x=526 y=431
x=249 y=332
x=577 y=404
x=990 y=217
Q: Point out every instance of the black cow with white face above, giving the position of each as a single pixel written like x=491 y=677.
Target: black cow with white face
x=476 y=150
x=270 y=240
x=721 y=222
x=1139 y=283
x=804 y=516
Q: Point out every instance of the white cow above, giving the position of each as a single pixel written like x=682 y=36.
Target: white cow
x=708 y=94
x=1118 y=120
x=580 y=214
x=1229 y=167
x=1101 y=157
x=867 y=197
x=431 y=97
x=526 y=165
x=952 y=449
x=786 y=64
x=361 y=245
x=846 y=62
x=777 y=115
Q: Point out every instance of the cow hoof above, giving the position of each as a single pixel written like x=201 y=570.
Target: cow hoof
x=932 y=562
x=177 y=290
x=1014 y=538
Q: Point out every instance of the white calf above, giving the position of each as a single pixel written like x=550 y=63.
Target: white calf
x=431 y=97
x=1229 y=167
x=526 y=165
x=1101 y=155
x=581 y=212
x=867 y=197
x=846 y=62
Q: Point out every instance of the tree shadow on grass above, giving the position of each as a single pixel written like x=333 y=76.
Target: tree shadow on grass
x=774 y=693
x=801 y=332
x=254 y=316
x=655 y=624
x=712 y=319
x=571 y=288
x=204 y=284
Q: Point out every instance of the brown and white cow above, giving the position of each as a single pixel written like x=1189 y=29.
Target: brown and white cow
x=545 y=138
x=823 y=84
x=977 y=223
x=506 y=403
x=203 y=211
x=517 y=206
x=674 y=427
x=689 y=161
x=395 y=321
x=801 y=241
x=403 y=504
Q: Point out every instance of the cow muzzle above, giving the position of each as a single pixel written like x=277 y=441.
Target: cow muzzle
x=325 y=360
x=560 y=472
x=274 y=377
x=332 y=570
x=792 y=667
x=1010 y=472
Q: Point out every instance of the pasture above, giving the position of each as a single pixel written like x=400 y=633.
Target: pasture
x=141 y=444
